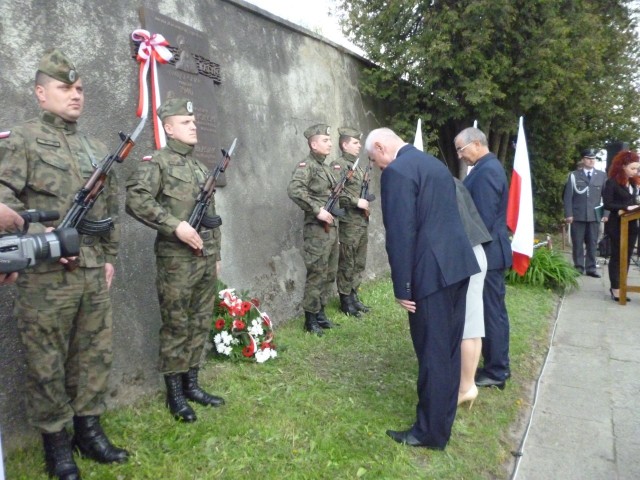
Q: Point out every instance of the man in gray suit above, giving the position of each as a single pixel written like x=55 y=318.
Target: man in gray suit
x=582 y=194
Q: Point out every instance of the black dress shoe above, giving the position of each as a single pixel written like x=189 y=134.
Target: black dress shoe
x=406 y=438
x=483 y=380
x=594 y=274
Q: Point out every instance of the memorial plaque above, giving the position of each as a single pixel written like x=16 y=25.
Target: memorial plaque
x=190 y=74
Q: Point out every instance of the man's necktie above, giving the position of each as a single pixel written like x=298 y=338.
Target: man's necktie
x=589 y=177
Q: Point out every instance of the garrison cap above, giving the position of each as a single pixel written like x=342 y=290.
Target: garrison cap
x=350 y=132
x=175 y=106
x=57 y=65
x=319 y=129
x=589 y=153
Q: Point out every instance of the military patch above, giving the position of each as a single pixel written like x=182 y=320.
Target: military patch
x=48 y=143
x=336 y=167
x=302 y=164
x=5 y=134
x=147 y=158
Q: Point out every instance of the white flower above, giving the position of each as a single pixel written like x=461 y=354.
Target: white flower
x=223 y=338
x=262 y=355
x=256 y=328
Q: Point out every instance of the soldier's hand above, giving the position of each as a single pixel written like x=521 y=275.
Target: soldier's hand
x=187 y=234
x=9 y=220
x=109 y=273
x=363 y=204
x=325 y=216
x=568 y=220
x=6 y=279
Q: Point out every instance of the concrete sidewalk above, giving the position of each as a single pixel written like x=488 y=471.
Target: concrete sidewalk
x=586 y=422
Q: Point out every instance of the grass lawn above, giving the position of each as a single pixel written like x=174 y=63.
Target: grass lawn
x=320 y=410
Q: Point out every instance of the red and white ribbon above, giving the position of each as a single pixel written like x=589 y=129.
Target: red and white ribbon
x=153 y=48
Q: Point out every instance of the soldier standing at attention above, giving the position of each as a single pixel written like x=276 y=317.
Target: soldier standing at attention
x=64 y=317
x=353 y=227
x=161 y=194
x=310 y=188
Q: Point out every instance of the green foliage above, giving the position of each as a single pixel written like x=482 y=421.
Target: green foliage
x=321 y=411
x=548 y=269
x=570 y=68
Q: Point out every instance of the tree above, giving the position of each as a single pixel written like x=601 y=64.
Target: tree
x=568 y=66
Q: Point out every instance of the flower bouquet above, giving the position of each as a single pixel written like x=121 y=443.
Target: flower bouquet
x=240 y=330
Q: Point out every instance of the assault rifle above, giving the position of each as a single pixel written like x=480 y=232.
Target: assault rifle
x=88 y=194
x=364 y=190
x=332 y=203
x=199 y=217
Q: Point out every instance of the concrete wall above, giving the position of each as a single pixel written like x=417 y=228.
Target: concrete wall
x=277 y=80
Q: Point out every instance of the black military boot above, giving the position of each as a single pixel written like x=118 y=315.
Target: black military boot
x=194 y=393
x=347 y=307
x=311 y=323
x=323 y=321
x=90 y=441
x=176 y=401
x=58 y=456
x=358 y=304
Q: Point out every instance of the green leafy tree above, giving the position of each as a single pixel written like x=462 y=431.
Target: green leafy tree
x=568 y=67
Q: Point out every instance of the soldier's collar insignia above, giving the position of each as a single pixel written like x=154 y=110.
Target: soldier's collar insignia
x=6 y=134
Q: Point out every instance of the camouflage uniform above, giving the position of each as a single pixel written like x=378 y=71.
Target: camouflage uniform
x=353 y=229
x=309 y=188
x=161 y=193
x=64 y=318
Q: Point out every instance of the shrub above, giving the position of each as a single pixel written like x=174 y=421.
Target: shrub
x=549 y=269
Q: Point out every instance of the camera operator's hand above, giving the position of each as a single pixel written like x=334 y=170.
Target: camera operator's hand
x=9 y=220
x=110 y=272
x=62 y=260
x=6 y=279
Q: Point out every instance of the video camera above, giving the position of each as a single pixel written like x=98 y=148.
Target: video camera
x=19 y=251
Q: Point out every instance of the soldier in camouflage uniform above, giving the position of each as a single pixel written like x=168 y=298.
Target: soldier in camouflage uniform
x=161 y=193
x=64 y=317
x=309 y=188
x=353 y=226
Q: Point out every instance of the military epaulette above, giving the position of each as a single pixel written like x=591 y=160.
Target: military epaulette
x=6 y=134
x=302 y=164
x=147 y=158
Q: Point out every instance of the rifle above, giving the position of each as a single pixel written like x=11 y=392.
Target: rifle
x=332 y=203
x=88 y=194
x=199 y=217
x=364 y=190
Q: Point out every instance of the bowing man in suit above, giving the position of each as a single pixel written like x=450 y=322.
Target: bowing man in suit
x=582 y=194
x=487 y=184
x=431 y=261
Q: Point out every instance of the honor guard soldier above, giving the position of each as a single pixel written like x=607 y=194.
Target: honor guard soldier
x=161 y=194
x=353 y=226
x=64 y=316
x=310 y=188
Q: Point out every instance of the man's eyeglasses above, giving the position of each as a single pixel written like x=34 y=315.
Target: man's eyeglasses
x=460 y=149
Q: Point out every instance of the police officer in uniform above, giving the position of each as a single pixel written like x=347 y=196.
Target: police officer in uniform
x=161 y=194
x=310 y=188
x=353 y=226
x=64 y=316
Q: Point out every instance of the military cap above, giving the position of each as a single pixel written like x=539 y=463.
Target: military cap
x=350 y=132
x=319 y=129
x=175 y=106
x=57 y=65
x=589 y=153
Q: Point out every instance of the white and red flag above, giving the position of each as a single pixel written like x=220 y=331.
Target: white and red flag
x=520 y=206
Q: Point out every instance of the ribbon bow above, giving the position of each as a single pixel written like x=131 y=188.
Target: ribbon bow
x=153 y=49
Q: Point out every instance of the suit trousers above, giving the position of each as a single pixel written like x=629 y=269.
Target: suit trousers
x=584 y=234
x=495 y=346
x=436 y=331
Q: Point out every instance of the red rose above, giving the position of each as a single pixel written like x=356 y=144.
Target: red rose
x=246 y=306
x=219 y=324
x=248 y=351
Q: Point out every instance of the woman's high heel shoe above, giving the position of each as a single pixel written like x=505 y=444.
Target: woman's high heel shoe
x=469 y=396
x=616 y=299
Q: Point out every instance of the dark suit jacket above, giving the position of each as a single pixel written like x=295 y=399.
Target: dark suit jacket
x=487 y=184
x=427 y=246
x=616 y=197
